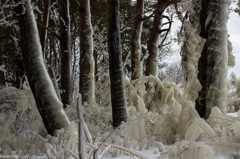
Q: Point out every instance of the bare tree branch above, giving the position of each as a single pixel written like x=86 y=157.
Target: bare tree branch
x=7 y=80
x=167 y=30
x=43 y=26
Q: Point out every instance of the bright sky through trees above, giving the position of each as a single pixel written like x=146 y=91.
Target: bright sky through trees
x=233 y=30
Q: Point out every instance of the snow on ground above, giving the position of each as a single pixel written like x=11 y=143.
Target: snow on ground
x=151 y=153
x=185 y=136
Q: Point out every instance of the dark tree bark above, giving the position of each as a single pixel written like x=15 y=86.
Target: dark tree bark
x=214 y=57
x=43 y=36
x=136 y=49
x=2 y=82
x=87 y=82
x=50 y=108
x=202 y=65
x=118 y=99
x=66 y=54
x=19 y=71
x=152 y=46
x=96 y=65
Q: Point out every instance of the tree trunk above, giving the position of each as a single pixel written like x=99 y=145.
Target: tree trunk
x=2 y=75
x=96 y=65
x=66 y=54
x=214 y=58
x=50 y=108
x=43 y=36
x=118 y=99
x=136 y=49
x=87 y=83
x=191 y=52
x=19 y=71
x=152 y=46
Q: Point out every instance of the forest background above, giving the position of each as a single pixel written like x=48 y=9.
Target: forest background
x=115 y=54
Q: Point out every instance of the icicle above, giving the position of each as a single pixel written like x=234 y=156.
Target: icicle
x=42 y=138
x=49 y=154
x=142 y=143
x=160 y=146
x=236 y=128
x=193 y=132
x=191 y=54
x=49 y=146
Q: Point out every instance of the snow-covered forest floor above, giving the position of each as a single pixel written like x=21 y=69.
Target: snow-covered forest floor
x=171 y=129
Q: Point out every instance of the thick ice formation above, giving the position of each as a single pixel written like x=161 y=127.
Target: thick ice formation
x=43 y=83
x=191 y=52
x=174 y=116
x=218 y=55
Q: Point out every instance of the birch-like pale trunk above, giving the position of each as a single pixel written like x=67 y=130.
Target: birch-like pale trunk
x=118 y=99
x=87 y=81
x=66 y=54
x=213 y=63
x=50 y=108
x=136 y=49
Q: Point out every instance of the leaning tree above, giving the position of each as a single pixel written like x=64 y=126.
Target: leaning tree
x=49 y=106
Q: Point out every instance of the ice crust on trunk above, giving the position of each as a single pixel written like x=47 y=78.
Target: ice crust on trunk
x=49 y=106
x=136 y=48
x=191 y=52
x=217 y=49
x=192 y=47
x=87 y=62
x=218 y=54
